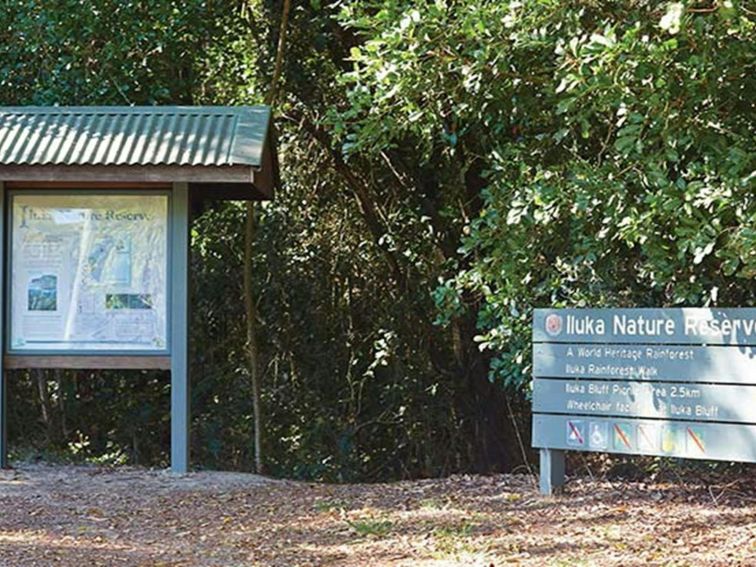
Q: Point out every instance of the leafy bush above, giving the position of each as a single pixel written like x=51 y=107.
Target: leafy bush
x=615 y=140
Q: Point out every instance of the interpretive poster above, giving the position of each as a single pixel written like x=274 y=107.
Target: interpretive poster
x=89 y=272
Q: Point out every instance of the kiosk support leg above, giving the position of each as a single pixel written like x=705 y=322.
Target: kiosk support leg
x=3 y=378
x=3 y=423
x=552 y=471
x=180 y=410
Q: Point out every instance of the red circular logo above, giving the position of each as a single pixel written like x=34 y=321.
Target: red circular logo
x=554 y=324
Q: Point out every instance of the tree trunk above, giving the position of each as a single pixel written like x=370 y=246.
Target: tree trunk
x=251 y=313
x=249 y=241
x=58 y=373
x=44 y=401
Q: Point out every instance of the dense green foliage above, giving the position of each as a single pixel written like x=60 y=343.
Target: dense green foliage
x=447 y=166
x=630 y=165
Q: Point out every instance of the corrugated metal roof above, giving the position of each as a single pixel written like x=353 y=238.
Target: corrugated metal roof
x=133 y=135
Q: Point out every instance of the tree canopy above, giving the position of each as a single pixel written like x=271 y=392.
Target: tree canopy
x=447 y=166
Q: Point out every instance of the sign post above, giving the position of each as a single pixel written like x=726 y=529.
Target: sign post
x=3 y=379
x=662 y=382
x=180 y=409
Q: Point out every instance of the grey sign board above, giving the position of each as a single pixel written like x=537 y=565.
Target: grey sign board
x=665 y=382
x=716 y=441
x=657 y=400
x=725 y=364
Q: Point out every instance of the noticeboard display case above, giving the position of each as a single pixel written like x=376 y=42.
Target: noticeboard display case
x=88 y=273
x=96 y=206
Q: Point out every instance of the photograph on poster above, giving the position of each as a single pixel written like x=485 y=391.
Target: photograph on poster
x=43 y=293
x=89 y=272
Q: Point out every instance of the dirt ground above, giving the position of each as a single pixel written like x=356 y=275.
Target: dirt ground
x=94 y=516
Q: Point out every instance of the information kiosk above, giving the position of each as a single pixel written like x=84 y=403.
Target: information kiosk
x=95 y=207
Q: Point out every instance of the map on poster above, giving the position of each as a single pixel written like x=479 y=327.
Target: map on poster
x=89 y=272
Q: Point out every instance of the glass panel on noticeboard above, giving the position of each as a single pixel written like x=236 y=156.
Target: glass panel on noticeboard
x=89 y=272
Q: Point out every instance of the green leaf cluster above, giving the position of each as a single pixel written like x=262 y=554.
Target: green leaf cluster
x=617 y=141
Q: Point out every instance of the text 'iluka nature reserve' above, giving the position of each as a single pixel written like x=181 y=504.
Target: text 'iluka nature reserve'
x=639 y=325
